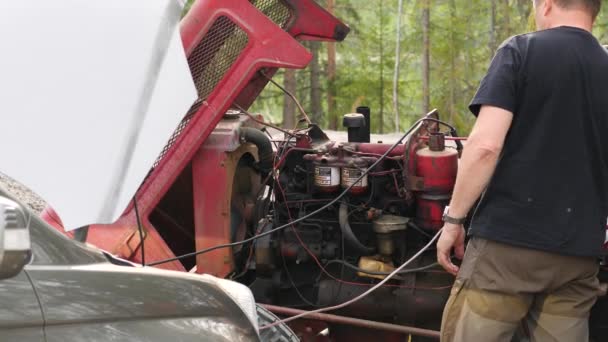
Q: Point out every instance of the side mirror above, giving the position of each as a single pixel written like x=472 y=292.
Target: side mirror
x=15 y=249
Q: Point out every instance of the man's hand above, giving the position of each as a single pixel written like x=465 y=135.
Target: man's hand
x=452 y=236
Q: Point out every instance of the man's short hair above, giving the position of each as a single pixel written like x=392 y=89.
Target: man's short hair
x=593 y=6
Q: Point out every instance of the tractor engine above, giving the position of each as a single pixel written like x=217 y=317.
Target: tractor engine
x=351 y=243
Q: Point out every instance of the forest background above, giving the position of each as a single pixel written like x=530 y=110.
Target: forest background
x=402 y=58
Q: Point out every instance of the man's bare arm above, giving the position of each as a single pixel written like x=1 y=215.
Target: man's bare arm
x=475 y=170
x=479 y=158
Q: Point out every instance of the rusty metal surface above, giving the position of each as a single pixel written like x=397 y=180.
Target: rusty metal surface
x=355 y=322
x=217 y=173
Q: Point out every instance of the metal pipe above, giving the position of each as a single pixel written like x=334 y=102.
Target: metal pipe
x=348 y=234
x=380 y=149
x=259 y=139
x=402 y=329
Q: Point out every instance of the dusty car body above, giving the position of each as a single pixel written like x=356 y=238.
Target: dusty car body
x=71 y=292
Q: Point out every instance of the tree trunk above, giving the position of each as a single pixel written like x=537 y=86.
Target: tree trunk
x=397 y=66
x=331 y=77
x=524 y=8
x=452 y=61
x=289 y=107
x=316 y=110
x=381 y=73
x=492 y=40
x=506 y=16
x=426 y=56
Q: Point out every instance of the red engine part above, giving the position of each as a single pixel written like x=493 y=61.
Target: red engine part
x=340 y=169
x=429 y=210
x=248 y=41
x=437 y=166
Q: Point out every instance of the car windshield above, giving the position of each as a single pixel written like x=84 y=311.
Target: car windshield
x=50 y=247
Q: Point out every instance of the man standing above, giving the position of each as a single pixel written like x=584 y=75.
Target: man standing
x=539 y=154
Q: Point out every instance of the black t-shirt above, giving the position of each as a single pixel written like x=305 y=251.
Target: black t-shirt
x=549 y=190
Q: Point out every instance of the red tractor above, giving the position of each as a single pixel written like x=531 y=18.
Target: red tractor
x=358 y=208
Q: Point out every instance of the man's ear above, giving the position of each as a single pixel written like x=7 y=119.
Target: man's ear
x=547 y=7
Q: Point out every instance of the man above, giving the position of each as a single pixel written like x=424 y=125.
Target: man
x=539 y=154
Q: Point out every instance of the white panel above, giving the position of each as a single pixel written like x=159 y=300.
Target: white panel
x=174 y=82
x=73 y=75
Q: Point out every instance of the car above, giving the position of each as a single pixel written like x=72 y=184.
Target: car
x=53 y=288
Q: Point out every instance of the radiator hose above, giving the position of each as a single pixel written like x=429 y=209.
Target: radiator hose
x=261 y=140
x=347 y=232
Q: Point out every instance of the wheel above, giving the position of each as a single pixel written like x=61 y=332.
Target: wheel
x=278 y=333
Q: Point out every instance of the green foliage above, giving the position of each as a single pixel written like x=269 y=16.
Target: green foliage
x=463 y=41
x=187 y=7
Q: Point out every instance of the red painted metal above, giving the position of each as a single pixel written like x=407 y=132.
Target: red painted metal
x=438 y=168
x=324 y=26
x=429 y=211
x=212 y=210
x=438 y=171
x=380 y=149
x=310 y=22
x=50 y=216
x=268 y=47
x=215 y=170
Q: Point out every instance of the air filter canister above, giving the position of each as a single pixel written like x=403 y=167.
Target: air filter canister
x=327 y=178
x=350 y=176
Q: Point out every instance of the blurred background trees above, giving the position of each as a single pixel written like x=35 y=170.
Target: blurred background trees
x=402 y=58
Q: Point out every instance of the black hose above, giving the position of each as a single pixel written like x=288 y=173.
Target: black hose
x=348 y=234
x=414 y=226
x=259 y=139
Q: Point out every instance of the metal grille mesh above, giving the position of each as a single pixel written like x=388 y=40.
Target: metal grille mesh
x=276 y=10
x=209 y=62
x=215 y=54
x=178 y=131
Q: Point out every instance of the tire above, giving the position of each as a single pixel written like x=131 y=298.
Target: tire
x=278 y=333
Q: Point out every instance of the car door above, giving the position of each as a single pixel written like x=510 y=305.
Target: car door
x=20 y=312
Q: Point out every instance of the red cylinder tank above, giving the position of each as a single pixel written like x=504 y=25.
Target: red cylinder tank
x=437 y=166
x=429 y=210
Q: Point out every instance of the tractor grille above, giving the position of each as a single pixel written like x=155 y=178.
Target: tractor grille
x=209 y=62
x=215 y=54
x=178 y=131
x=276 y=10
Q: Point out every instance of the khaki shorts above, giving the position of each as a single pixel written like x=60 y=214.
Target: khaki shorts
x=503 y=289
